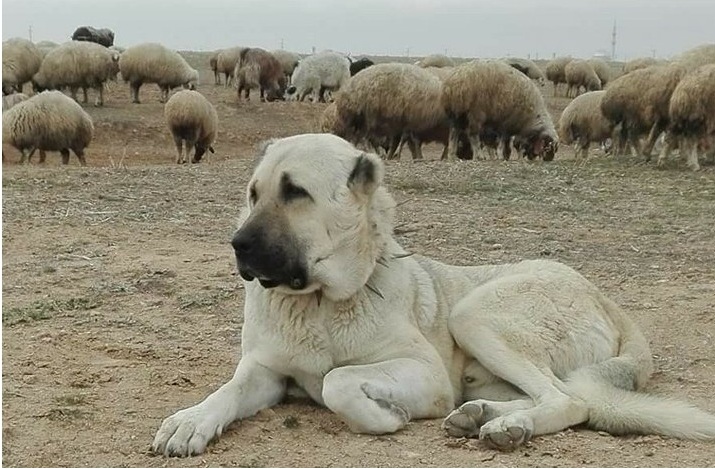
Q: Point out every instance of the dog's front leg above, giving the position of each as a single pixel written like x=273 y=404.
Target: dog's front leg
x=252 y=388
x=383 y=397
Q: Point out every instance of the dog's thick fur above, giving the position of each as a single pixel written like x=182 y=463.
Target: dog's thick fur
x=381 y=338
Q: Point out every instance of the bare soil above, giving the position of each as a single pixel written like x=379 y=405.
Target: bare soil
x=121 y=303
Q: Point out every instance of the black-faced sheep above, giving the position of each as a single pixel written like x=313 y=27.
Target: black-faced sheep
x=360 y=64
x=77 y=65
x=192 y=119
x=318 y=73
x=257 y=68
x=49 y=121
x=527 y=67
x=692 y=115
x=436 y=60
x=637 y=104
x=154 y=63
x=580 y=73
x=556 y=71
x=288 y=60
x=386 y=101
x=226 y=63
x=21 y=59
x=490 y=96
x=582 y=123
x=101 y=36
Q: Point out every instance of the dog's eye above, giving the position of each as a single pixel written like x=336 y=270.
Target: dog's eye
x=253 y=195
x=290 y=191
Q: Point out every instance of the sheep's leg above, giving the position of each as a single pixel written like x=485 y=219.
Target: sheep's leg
x=653 y=135
x=85 y=96
x=164 y=94
x=25 y=157
x=475 y=142
x=453 y=143
x=80 y=156
x=403 y=139
x=263 y=96
x=100 y=98
x=671 y=141
x=43 y=156
x=506 y=147
x=65 y=152
x=73 y=93
x=415 y=147
x=692 y=155
x=394 y=143
x=134 y=91
x=178 y=141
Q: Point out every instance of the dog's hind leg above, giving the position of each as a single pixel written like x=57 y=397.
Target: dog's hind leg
x=383 y=397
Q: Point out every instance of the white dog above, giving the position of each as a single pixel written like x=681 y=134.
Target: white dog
x=380 y=337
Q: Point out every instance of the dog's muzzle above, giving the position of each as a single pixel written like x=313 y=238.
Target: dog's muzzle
x=272 y=263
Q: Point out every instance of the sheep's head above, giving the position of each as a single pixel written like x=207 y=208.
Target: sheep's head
x=200 y=150
x=543 y=144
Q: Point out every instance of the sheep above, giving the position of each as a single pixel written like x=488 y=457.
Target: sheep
x=360 y=64
x=20 y=61
x=583 y=122
x=288 y=60
x=101 y=36
x=48 y=121
x=226 y=63
x=440 y=72
x=213 y=63
x=602 y=69
x=580 y=73
x=637 y=64
x=692 y=115
x=10 y=100
x=435 y=60
x=556 y=71
x=528 y=68
x=257 y=68
x=191 y=118
x=637 y=103
x=386 y=101
x=319 y=72
x=697 y=56
x=77 y=64
x=153 y=63
x=46 y=46
x=490 y=96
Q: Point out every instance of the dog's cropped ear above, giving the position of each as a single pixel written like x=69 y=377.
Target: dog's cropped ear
x=366 y=175
x=261 y=150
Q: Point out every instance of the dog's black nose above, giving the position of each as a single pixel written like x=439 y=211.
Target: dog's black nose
x=243 y=242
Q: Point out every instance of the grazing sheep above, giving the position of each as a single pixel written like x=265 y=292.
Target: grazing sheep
x=288 y=60
x=583 y=122
x=319 y=72
x=697 y=56
x=386 y=101
x=360 y=64
x=193 y=119
x=528 y=68
x=77 y=64
x=226 y=63
x=637 y=64
x=153 y=63
x=10 y=100
x=48 y=121
x=257 y=68
x=580 y=73
x=556 y=71
x=436 y=60
x=637 y=104
x=490 y=96
x=692 y=115
x=213 y=63
x=602 y=69
x=21 y=59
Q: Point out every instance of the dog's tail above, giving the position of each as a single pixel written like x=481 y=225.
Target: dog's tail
x=608 y=389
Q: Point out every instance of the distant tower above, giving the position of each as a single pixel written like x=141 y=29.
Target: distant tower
x=29 y=30
x=613 y=42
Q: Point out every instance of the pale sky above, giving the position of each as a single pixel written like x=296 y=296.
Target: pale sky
x=464 y=28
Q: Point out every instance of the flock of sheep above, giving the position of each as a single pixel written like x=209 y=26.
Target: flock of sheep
x=474 y=108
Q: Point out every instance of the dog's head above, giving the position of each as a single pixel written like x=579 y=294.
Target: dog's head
x=317 y=217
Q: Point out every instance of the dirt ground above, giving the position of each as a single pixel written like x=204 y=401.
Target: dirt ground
x=121 y=302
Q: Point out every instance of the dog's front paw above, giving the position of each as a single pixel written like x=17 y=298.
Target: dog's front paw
x=186 y=433
x=465 y=421
x=508 y=432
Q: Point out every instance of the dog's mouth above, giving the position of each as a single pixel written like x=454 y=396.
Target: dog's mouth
x=297 y=282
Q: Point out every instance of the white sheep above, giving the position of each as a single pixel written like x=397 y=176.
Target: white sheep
x=226 y=61
x=386 y=101
x=435 y=60
x=638 y=63
x=315 y=74
x=46 y=46
x=697 y=56
x=48 y=121
x=288 y=60
x=582 y=122
x=556 y=71
x=20 y=61
x=77 y=64
x=192 y=119
x=10 y=100
x=527 y=67
x=491 y=98
x=153 y=63
x=603 y=70
x=692 y=115
x=580 y=73
x=213 y=64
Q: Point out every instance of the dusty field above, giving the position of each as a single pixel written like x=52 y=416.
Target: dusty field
x=121 y=304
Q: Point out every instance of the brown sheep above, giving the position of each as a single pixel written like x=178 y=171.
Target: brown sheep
x=555 y=71
x=257 y=68
x=582 y=122
x=580 y=73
